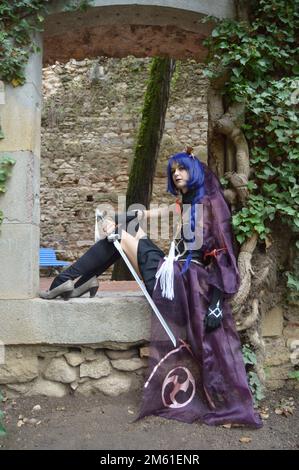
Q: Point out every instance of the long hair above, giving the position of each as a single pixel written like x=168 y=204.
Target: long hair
x=195 y=183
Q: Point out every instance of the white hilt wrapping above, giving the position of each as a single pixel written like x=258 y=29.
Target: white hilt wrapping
x=166 y=273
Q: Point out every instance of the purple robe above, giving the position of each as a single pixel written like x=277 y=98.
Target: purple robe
x=204 y=377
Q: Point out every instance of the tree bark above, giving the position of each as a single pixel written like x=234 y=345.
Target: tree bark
x=148 y=143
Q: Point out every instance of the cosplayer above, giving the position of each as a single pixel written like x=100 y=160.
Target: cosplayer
x=202 y=378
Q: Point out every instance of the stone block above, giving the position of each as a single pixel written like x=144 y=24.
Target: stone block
x=276 y=352
x=132 y=364
x=114 y=385
x=20 y=203
x=60 y=371
x=19 y=254
x=21 y=119
x=291 y=331
x=18 y=368
x=272 y=322
x=104 y=321
x=95 y=369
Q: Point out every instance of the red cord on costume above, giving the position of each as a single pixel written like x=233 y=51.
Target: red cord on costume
x=214 y=252
x=178 y=206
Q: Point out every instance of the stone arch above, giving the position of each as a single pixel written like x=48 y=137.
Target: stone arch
x=113 y=28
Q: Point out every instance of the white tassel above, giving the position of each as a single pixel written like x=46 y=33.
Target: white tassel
x=165 y=273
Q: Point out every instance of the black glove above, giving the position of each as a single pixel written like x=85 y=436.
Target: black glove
x=214 y=315
x=123 y=219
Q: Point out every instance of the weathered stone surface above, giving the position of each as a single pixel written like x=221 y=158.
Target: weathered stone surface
x=272 y=322
x=293 y=344
x=38 y=386
x=106 y=322
x=144 y=351
x=129 y=364
x=291 y=330
x=294 y=357
x=48 y=389
x=22 y=369
x=113 y=385
x=140 y=28
x=99 y=174
x=121 y=354
x=276 y=376
x=100 y=367
x=19 y=274
x=23 y=187
x=85 y=388
x=74 y=358
x=276 y=352
x=60 y=371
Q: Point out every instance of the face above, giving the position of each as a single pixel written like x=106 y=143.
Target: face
x=180 y=177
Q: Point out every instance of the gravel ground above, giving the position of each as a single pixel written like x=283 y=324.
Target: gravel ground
x=101 y=422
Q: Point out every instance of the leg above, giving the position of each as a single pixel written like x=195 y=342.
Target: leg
x=94 y=262
x=145 y=257
x=130 y=246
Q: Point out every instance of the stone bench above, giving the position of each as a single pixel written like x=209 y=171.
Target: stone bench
x=84 y=345
x=110 y=316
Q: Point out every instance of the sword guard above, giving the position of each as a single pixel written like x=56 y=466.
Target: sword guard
x=113 y=236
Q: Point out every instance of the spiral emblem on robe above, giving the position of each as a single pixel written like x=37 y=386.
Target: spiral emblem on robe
x=172 y=387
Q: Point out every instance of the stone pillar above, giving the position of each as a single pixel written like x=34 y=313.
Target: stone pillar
x=20 y=118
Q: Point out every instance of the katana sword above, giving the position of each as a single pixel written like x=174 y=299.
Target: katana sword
x=114 y=237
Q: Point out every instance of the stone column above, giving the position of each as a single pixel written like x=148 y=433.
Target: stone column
x=20 y=118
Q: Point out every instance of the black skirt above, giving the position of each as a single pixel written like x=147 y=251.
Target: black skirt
x=148 y=257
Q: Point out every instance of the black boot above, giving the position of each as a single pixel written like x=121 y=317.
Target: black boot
x=100 y=256
x=94 y=262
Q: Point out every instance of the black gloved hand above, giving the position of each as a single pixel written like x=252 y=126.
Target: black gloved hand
x=123 y=219
x=214 y=315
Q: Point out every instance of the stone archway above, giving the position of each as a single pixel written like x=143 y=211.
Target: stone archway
x=114 y=28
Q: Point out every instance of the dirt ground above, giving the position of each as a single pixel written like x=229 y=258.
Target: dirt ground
x=101 y=422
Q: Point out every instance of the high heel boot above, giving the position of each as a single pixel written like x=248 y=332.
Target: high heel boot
x=90 y=286
x=96 y=260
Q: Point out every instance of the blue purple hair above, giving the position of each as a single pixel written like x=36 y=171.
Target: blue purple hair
x=195 y=183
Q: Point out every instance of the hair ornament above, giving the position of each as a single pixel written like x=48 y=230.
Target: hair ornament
x=189 y=150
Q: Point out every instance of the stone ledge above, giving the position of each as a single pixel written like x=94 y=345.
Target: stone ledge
x=109 y=318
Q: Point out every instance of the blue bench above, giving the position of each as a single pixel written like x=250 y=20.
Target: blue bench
x=47 y=258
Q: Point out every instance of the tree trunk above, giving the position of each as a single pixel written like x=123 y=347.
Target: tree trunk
x=148 y=143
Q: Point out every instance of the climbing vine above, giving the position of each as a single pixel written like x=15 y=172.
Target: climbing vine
x=255 y=385
x=19 y=20
x=260 y=60
x=263 y=63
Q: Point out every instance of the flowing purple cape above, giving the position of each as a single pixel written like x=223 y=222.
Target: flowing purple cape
x=204 y=377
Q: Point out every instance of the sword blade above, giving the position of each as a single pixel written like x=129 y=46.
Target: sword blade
x=143 y=288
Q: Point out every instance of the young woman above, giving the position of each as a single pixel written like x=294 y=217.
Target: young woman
x=204 y=377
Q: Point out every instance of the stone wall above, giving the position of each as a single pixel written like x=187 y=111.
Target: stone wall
x=91 y=114
x=57 y=370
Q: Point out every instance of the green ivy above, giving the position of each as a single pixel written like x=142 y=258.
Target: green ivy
x=294 y=374
x=261 y=61
x=18 y=21
x=255 y=385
